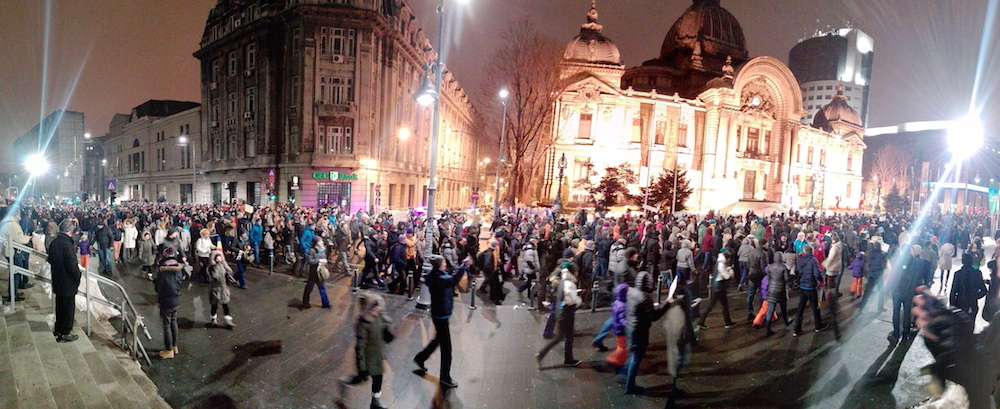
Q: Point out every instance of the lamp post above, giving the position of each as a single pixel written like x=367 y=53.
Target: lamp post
x=878 y=195
x=557 y=204
x=503 y=130
x=430 y=94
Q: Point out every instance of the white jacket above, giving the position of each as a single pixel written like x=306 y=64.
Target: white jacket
x=130 y=236
x=11 y=230
x=571 y=294
x=203 y=247
x=724 y=271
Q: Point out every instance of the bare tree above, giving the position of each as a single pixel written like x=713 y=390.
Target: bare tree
x=527 y=65
x=890 y=168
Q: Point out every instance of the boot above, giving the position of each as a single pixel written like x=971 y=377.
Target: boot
x=167 y=354
x=229 y=321
x=176 y=351
x=376 y=404
x=215 y=320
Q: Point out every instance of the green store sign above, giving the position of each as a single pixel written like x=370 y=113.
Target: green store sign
x=334 y=176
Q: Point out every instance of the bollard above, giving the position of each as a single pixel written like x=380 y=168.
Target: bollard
x=271 y=269
x=531 y=295
x=472 y=295
x=658 y=284
x=355 y=285
x=409 y=286
x=593 y=295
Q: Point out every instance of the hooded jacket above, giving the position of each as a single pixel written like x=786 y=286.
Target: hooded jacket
x=618 y=263
x=808 y=271
x=641 y=313
x=778 y=278
x=619 y=309
x=857 y=266
x=528 y=262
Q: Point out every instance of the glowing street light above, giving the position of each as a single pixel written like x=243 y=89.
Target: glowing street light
x=86 y=135
x=36 y=164
x=486 y=160
x=404 y=133
x=965 y=136
x=427 y=94
x=182 y=139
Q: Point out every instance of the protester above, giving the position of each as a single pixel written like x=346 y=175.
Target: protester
x=65 y=281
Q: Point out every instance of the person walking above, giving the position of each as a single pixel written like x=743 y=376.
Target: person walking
x=946 y=257
x=371 y=334
x=967 y=289
x=724 y=273
x=65 y=281
x=145 y=254
x=529 y=264
x=615 y=323
x=168 y=292
x=639 y=318
x=778 y=278
x=313 y=257
x=441 y=285
x=220 y=273
x=203 y=249
x=84 y=247
x=875 y=262
x=570 y=301
x=810 y=279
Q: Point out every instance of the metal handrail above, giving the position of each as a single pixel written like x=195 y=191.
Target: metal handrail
x=137 y=350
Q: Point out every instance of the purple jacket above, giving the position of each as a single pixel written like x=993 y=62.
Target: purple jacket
x=84 y=247
x=858 y=265
x=619 y=309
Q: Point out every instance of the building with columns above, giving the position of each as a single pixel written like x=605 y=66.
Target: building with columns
x=732 y=122
x=319 y=95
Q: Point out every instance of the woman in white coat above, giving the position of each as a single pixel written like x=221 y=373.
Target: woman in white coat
x=945 y=257
x=130 y=237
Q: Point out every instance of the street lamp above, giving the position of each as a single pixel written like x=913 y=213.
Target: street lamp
x=86 y=135
x=878 y=195
x=965 y=136
x=428 y=95
x=184 y=141
x=557 y=204
x=503 y=130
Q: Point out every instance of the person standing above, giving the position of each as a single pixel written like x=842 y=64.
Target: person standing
x=13 y=230
x=65 y=281
x=810 y=279
x=219 y=289
x=967 y=288
x=875 y=262
x=84 y=246
x=104 y=239
x=834 y=263
x=203 y=248
x=145 y=256
x=313 y=279
x=489 y=265
x=168 y=292
x=442 y=288
x=130 y=237
x=256 y=236
x=372 y=333
x=911 y=275
x=778 y=278
x=571 y=300
x=946 y=256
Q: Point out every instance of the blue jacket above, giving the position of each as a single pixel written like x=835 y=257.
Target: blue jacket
x=307 y=239
x=807 y=269
x=442 y=288
x=256 y=233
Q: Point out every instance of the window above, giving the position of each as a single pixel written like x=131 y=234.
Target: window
x=251 y=99
x=336 y=135
x=295 y=90
x=215 y=69
x=812 y=88
x=822 y=157
x=765 y=143
x=251 y=55
x=848 y=89
x=584 y=131
x=811 y=97
x=234 y=147
x=321 y=140
x=848 y=192
x=217 y=149
x=338 y=41
x=215 y=110
x=232 y=104
x=829 y=97
x=809 y=157
x=296 y=40
x=753 y=137
x=142 y=161
x=293 y=138
x=829 y=87
x=232 y=63
x=323 y=45
x=798 y=153
x=682 y=135
x=739 y=138
x=341 y=89
x=850 y=162
x=350 y=43
x=348 y=140
x=251 y=145
x=637 y=130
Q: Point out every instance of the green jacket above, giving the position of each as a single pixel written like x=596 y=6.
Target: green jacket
x=370 y=347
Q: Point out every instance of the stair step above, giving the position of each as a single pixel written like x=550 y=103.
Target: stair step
x=57 y=372
x=90 y=392
x=8 y=397
x=116 y=366
x=29 y=375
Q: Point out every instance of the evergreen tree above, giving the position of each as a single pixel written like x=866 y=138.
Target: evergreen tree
x=894 y=201
x=661 y=191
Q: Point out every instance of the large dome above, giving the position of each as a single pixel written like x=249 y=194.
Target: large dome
x=707 y=29
x=591 y=46
x=836 y=110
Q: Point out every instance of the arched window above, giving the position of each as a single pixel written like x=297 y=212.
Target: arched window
x=135 y=143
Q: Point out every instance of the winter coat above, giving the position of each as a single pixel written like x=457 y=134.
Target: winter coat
x=619 y=309
x=685 y=258
x=640 y=311
x=256 y=234
x=570 y=292
x=442 y=288
x=778 y=278
x=967 y=287
x=84 y=248
x=65 y=266
x=604 y=247
x=945 y=256
x=807 y=269
x=833 y=262
x=203 y=247
x=449 y=254
x=585 y=262
x=723 y=268
x=857 y=266
x=12 y=231
x=679 y=332
x=874 y=260
x=756 y=263
x=369 y=349
x=668 y=257
x=911 y=275
x=146 y=252
x=528 y=262
x=617 y=263
x=306 y=240
x=218 y=288
x=651 y=252
x=168 y=287
x=743 y=254
x=130 y=236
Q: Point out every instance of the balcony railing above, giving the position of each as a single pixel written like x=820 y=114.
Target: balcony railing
x=329 y=110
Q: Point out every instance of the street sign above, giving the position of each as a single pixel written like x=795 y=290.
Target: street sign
x=111 y=184
x=271 y=174
x=475 y=195
x=378 y=188
x=651 y=208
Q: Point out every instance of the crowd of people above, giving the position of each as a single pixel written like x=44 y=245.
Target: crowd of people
x=556 y=263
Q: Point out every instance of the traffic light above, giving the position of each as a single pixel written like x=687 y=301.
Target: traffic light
x=271 y=195
x=114 y=196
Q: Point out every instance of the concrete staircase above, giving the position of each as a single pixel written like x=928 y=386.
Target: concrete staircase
x=92 y=372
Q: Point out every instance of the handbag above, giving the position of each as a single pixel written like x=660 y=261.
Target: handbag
x=323 y=272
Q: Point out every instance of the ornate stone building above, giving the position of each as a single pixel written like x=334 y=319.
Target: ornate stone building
x=318 y=93
x=732 y=122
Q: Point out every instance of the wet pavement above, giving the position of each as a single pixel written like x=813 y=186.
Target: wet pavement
x=279 y=356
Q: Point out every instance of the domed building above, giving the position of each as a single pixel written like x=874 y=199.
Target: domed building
x=732 y=123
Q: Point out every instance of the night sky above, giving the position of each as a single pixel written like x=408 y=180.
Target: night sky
x=108 y=56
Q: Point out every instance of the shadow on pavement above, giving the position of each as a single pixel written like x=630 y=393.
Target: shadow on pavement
x=242 y=353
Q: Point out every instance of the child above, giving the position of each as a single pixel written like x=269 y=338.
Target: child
x=84 y=250
x=372 y=334
x=146 y=256
x=857 y=272
x=219 y=272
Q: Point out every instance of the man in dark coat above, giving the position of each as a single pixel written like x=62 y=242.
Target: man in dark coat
x=65 y=281
x=442 y=288
x=910 y=276
x=966 y=289
x=103 y=238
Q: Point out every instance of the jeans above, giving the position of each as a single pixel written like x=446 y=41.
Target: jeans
x=706 y=260
x=567 y=318
x=901 y=315
x=530 y=278
x=600 y=269
x=442 y=338
x=744 y=268
x=105 y=255
x=203 y=271
x=314 y=280
x=770 y=313
x=719 y=294
x=752 y=291
x=605 y=331
x=632 y=365
x=169 y=317
x=343 y=262
x=256 y=252
x=812 y=297
x=874 y=285
x=241 y=267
